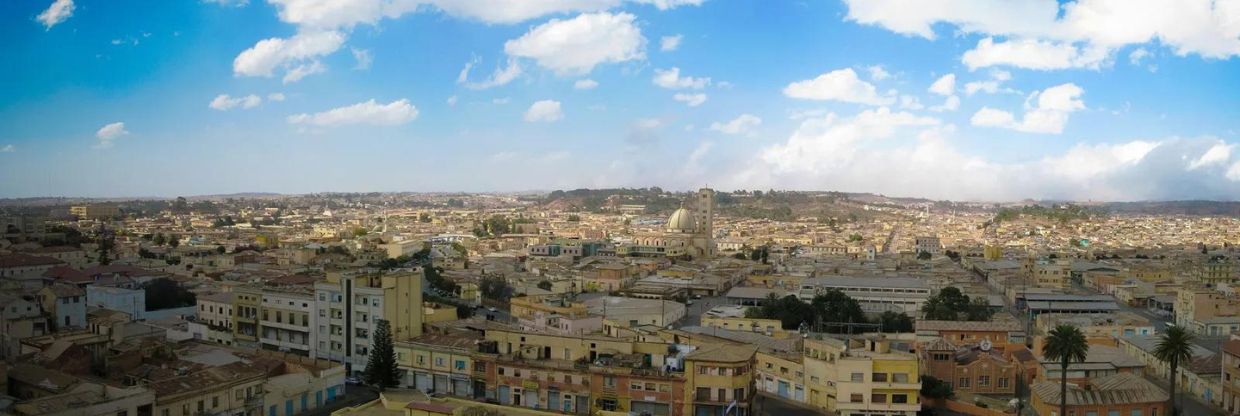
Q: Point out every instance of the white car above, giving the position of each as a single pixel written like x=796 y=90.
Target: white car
x=492 y=309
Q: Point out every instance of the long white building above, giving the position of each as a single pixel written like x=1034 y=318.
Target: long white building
x=875 y=294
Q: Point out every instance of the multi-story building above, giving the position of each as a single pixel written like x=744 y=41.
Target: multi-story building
x=21 y=317
x=979 y=369
x=1053 y=274
x=862 y=375
x=287 y=319
x=66 y=305
x=95 y=211
x=928 y=244
x=719 y=380
x=216 y=310
x=1216 y=270
x=348 y=305
x=438 y=363
x=1204 y=310
x=247 y=300
x=1230 y=350
x=780 y=374
x=875 y=294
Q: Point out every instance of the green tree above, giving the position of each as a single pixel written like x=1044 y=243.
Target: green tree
x=219 y=249
x=495 y=288
x=935 y=389
x=1065 y=344
x=979 y=309
x=923 y=255
x=835 y=306
x=790 y=311
x=1175 y=347
x=174 y=241
x=574 y=218
x=950 y=305
x=106 y=242
x=544 y=285
x=896 y=322
x=381 y=371
x=160 y=239
x=740 y=255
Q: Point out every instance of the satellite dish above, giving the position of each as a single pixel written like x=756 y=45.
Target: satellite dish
x=985 y=345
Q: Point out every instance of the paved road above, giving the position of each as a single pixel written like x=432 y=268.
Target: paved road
x=693 y=313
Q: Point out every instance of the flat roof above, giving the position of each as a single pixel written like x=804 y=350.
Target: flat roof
x=847 y=281
x=1074 y=306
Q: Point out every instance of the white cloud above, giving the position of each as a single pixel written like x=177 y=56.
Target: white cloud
x=670 y=43
x=921 y=157
x=577 y=45
x=743 y=124
x=951 y=103
x=275 y=96
x=224 y=102
x=509 y=11
x=363 y=57
x=545 y=111
x=1033 y=54
x=108 y=134
x=877 y=73
x=693 y=100
x=909 y=102
x=301 y=71
x=1048 y=115
x=1137 y=55
x=501 y=75
x=585 y=84
x=839 y=85
x=556 y=156
x=1218 y=154
x=297 y=54
x=945 y=85
x=501 y=100
x=451 y=101
x=8 y=148
x=1051 y=35
x=320 y=14
x=671 y=79
x=993 y=85
x=367 y=112
x=58 y=12
x=670 y=4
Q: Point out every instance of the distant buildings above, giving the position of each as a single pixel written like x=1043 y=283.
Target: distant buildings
x=95 y=211
x=875 y=294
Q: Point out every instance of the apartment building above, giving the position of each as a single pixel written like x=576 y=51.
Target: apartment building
x=862 y=375
x=928 y=244
x=95 y=211
x=438 y=363
x=719 y=380
x=1206 y=311
x=780 y=374
x=1230 y=382
x=286 y=319
x=247 y=300
x=216 y=310
x=348 y=305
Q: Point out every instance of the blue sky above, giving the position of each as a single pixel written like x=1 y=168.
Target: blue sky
x=1088 y=100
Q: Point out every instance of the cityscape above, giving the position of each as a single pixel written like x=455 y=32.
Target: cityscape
x=620 y=208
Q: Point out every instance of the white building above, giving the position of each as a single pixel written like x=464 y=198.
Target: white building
x=130 y=301
x=875 y=294
x=287 y=320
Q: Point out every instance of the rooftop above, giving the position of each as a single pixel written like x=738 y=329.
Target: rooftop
x=1121 y=388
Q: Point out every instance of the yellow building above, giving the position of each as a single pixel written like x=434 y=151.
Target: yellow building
x=861 y=375
x=780 y=375
x=719 y=377
x=437 y=363
x=247 y=300
x=348 y=306
x=769 y=327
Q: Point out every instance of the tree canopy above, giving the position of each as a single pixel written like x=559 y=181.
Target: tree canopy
x=952 y=305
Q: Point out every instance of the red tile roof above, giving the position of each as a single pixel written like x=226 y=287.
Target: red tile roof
x=24 y=260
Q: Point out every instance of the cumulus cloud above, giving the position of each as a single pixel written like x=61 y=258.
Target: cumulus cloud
x=108 y=134
x=920 y=157
x=368 y=112
x=1033 y=54
x=670 y=43
x=1048 y=114
x=671 y=79
x=838 y=85
x=224 y=102
x=575 y=46
x=585 y=84
x=363 y=57
x=670 y=4
x=58 y=12
x=1045 y=34
x=743 y=124
x=693 y=100
x=545 y=111
x=298 y=55
x=945 y=85
x=992 y=85
x=501 y=75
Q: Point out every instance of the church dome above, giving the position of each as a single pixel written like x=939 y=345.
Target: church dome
x=682 y=221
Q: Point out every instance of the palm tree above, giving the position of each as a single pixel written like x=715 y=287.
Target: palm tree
x=1174 y=347
x=1065 y=344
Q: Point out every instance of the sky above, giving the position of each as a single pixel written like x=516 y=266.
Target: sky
x=1091 y=100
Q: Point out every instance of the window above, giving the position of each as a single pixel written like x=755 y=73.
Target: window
x=880 y=377
x=1112 y=413
x=899 y=377
x=500 y=369
x=651 y=387
x=964 y=382
x=738 y=394
x=1003 y=382
x=858 y=377
x=879 y=398
x=1091 y=413
x=1135 y=412
x=635 y=386
x=856 y=398
x=439 y=361
x=899 y=398
x=215 y=402
x=459 y=365
x=480 y=366
x=723 y=395
x=702 y=394
x=984 y=381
